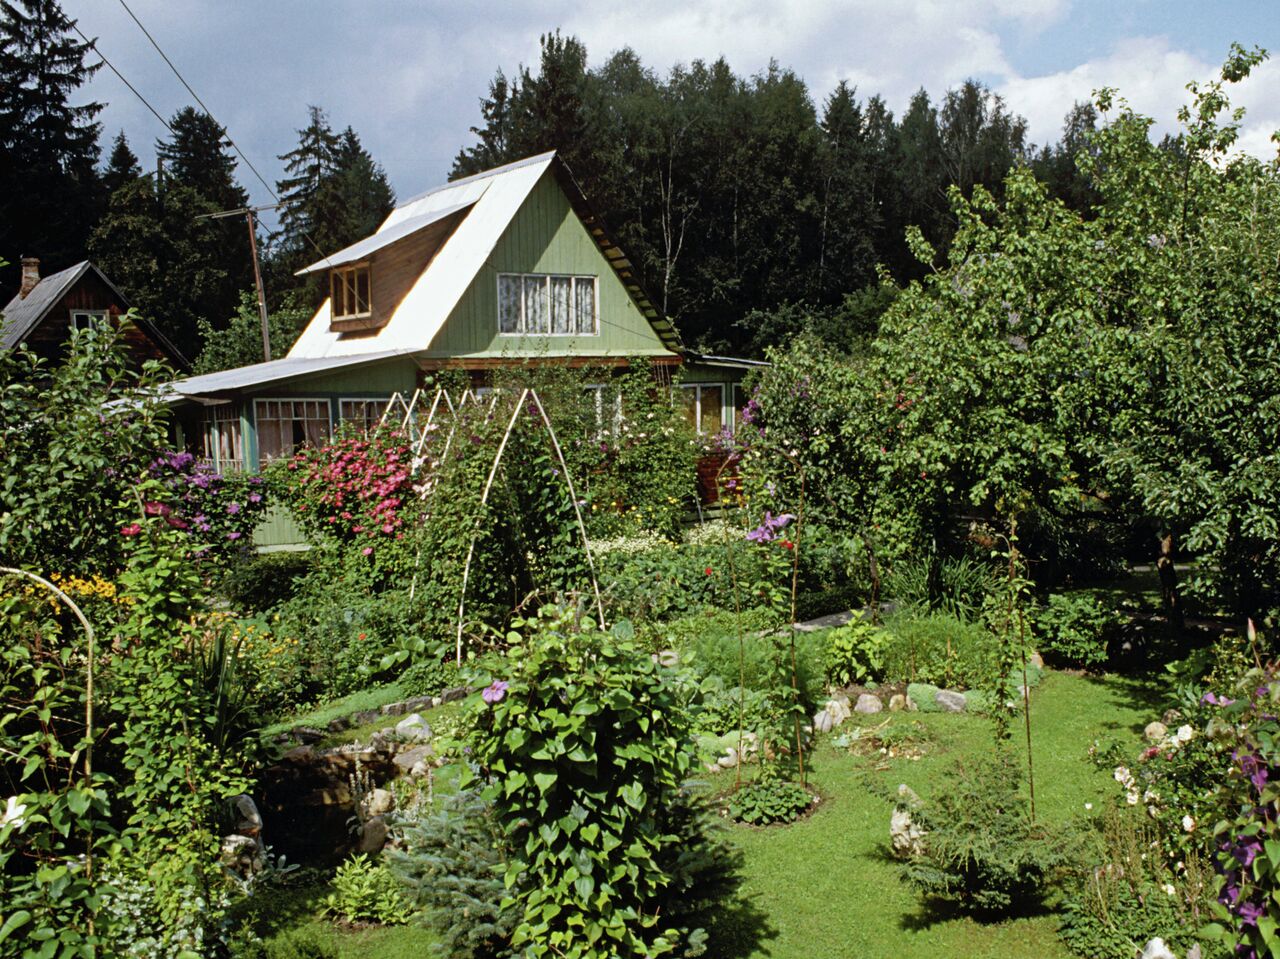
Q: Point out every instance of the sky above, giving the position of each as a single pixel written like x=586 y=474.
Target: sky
x=408 y=75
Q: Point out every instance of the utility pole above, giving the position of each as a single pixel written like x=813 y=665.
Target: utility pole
x=251 y=213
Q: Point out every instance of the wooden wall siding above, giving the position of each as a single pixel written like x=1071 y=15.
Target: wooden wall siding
x=546 y=236
x=278 y=529
x=51 y=334
x=394 y=270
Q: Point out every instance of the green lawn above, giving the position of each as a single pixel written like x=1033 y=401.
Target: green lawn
x=825 y=889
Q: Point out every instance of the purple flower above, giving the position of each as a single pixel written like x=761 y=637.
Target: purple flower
x=255 y=497
x=1249 y=913
x=233 y=535
x=767 y=531
x=1212 y=700
x=233 y=508
x=495 y=693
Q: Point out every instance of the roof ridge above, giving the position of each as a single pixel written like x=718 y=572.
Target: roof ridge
x=482 y=175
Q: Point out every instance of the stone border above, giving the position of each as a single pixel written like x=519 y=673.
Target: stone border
x=305 y=734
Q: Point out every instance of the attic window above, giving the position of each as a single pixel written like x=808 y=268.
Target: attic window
x=542 y=304
x=85 y=319
x=349 y=292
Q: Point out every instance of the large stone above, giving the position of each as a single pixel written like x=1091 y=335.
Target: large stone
x=1155 y=732
x=906 y=838
x=729 y=759
x=373 y=836
x=868 y=704
x=838 y=707
x=949 y=701
x=248 y=819
x=822 y=721
x=377 y=802
x=897 y=702
x=407 y=759
x=1156 y=949
x=1036 y=661
x=414 y=728
x=242 y=855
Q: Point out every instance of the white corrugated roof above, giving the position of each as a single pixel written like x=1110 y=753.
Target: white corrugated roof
x=385 y=236
x=260 y=374
x=495 y=197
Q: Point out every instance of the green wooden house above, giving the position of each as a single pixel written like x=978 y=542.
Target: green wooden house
x=508 y=266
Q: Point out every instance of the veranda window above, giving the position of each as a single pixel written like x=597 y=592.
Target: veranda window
x=223 y=446
x=363 y=414
x=702 y=403
x=545 y=305
x=286 y=425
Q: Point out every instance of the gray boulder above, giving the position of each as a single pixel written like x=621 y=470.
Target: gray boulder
x=414 y=728
x=949 y=701
x=897 y=702
x=373 y=836
x=868 y=704
x=1156 y=949
x=377 y=803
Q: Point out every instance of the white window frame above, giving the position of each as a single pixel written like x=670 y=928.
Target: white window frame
x=598 y=400
x=697 y=403
x=83 y=319
x=344 y=400
x=257 y=420
x=575 y=278
x=213 y=426
x=341 y=273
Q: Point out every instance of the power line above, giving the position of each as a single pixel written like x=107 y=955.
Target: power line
x=93 y=45
x=196 y=97
x=209 y=113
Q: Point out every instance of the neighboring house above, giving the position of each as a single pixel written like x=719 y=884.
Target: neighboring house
x=505 y=267
x=46 y=310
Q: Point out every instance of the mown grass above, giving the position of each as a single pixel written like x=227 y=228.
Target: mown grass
x=825 y=888
x=321 y=716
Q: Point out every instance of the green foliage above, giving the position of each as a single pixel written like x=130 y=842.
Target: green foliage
x=855 y=653
x=754 y=665
x=982 y=852
x=430 y=677
x=1076 y=629
x=304 y=943
x=365 y=890
x=769 y=801
x=586 y=748
x=257 y=582
x=75 y=437
x=937 y=648
x=238 y=342
x=452 y=863
x=924 y=695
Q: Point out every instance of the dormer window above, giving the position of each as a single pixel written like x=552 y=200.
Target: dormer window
x=541 y=304
x=349 y=292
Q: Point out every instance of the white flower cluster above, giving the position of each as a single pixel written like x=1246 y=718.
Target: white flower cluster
x=1125 y=779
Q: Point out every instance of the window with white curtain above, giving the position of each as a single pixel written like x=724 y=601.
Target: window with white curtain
x=544 y=304
x=286 y=425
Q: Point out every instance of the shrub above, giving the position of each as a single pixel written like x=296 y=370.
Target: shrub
x=938 y=648
x=981 y=851
x=924 y=695
x=715 y=655
x=257 y=582
x=365 y=890
x=452 y=864
x=429 y=677
x=302 y=943
x=769 y=801
x=855 y=654
x=1076 y=629
x=585 y=748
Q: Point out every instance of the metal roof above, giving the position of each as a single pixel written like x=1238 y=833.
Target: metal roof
x=275 y=371
x=385 y=237
x=495 y=197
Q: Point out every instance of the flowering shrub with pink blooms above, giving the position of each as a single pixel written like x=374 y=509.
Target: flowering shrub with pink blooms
x=358 y=489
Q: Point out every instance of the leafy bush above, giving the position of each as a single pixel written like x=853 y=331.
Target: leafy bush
x=1075 y=629
x=769 y=801
x=938 y=648
x=258 y=582
x=720 y=707
x=365 y=890
x=981 y=851
x=855 y=653
x=302 y=943
x=452 y=864
x=429 y=677
x=219 y=512
x=716 y=655
x=585 y=748
x=669 y=581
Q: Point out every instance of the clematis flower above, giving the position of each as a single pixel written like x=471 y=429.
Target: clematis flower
x=495 y=693
x=133 y=529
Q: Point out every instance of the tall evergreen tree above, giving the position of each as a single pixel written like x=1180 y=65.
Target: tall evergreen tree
x=49 y=190
x=1059 y=165
x=122 y=165
x=308 y=166
x=197 y=157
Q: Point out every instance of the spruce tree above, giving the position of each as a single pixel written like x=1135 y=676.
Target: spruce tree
x=49 y=189
x=197 y=156
x=122 y=165
x=308 y=166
